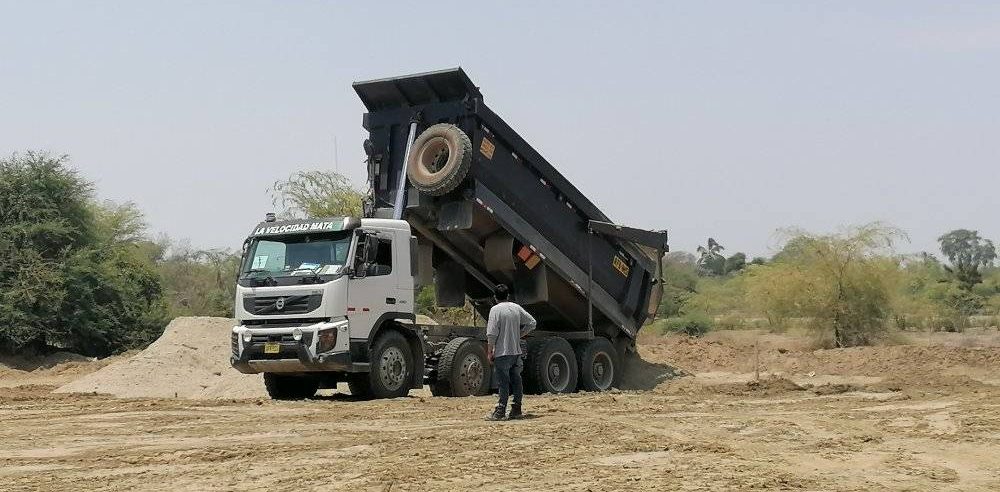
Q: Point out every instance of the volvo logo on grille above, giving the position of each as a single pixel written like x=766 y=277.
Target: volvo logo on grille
x=279 y=304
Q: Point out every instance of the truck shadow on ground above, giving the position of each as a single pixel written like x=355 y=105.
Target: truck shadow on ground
x=344 y=397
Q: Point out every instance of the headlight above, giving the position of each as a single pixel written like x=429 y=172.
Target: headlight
x=247 y=336
x=326 y=340
x=297 y=334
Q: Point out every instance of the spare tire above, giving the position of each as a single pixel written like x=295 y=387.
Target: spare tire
x=440 y=159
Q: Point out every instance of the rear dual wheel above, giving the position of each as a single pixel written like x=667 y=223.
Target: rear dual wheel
x=551 y=366
x=599 y=364
x=463 y=369
x=555 y=366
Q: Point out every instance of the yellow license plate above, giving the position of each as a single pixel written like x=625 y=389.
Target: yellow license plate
x=272 y=348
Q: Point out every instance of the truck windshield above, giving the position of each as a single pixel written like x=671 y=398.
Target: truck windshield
x=299 y=254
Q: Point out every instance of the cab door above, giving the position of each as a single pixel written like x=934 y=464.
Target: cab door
x=404 y=253
x=372 y=289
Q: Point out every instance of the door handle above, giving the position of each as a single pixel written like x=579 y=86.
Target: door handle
x=390 y=300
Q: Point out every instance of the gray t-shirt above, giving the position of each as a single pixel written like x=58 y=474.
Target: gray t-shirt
x=507 y=324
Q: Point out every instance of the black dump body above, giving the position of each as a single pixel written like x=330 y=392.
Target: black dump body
x=515 y=220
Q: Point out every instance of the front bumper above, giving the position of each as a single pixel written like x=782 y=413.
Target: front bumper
x=300 y=355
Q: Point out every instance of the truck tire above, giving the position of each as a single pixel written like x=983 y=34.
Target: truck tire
x=357 y=384
x=551 y=366
x=599 y=364
x=391 y=368
x=439 y=159
x=527 y=378
x=288 y=387
x=463 y=369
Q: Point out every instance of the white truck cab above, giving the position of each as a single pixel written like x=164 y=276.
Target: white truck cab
x=326 y=300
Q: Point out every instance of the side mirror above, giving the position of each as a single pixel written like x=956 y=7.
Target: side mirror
x=243 y=258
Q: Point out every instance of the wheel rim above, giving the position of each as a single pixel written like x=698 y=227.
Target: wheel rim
x=603 y=370
x=471 y=374
x=557 y=371
x=434 y=155
x=392 y=368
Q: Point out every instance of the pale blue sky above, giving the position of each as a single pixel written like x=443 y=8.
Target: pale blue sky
x=723 y=119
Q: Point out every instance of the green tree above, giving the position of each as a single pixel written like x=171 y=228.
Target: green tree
x=71 y=274
x=968 y=253
x=198 y=282
x=119 y=222
x=735 y=263
x=710 y=258
x=844 y=284
x=317 y=194
x=711 y=261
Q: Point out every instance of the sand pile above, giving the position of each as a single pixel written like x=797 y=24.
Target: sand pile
x=190 y=360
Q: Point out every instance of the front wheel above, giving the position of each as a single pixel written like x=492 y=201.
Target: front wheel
x=391 y=369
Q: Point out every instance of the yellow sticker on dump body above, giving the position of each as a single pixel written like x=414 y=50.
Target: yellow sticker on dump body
x=487 y=148
x=620 y=265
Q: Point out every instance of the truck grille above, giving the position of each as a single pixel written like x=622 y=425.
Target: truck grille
x=282 y=322
x=278 y=305
x=287 y=338
x=289 y=348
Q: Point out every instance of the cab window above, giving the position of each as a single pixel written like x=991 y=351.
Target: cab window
x=383 y=259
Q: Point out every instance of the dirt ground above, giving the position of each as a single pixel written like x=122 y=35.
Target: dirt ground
x=921 y=416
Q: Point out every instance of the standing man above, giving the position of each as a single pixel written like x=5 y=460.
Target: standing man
x=508 y=324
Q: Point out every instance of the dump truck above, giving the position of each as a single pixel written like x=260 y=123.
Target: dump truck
x=456 y=200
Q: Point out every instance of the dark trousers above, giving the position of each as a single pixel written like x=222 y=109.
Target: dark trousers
x=507 y=369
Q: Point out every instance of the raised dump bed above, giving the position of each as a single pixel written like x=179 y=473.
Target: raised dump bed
x=488 y=209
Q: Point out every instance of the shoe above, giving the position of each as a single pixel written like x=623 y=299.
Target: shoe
x=496 y=415
x=515 y=413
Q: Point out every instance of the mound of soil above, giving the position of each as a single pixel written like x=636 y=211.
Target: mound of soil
x=735 y=352
x=641 y=374
x=190 y=360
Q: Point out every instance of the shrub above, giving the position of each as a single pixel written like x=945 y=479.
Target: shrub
x=951 y=324
x=693 y=325
x=730 y=322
